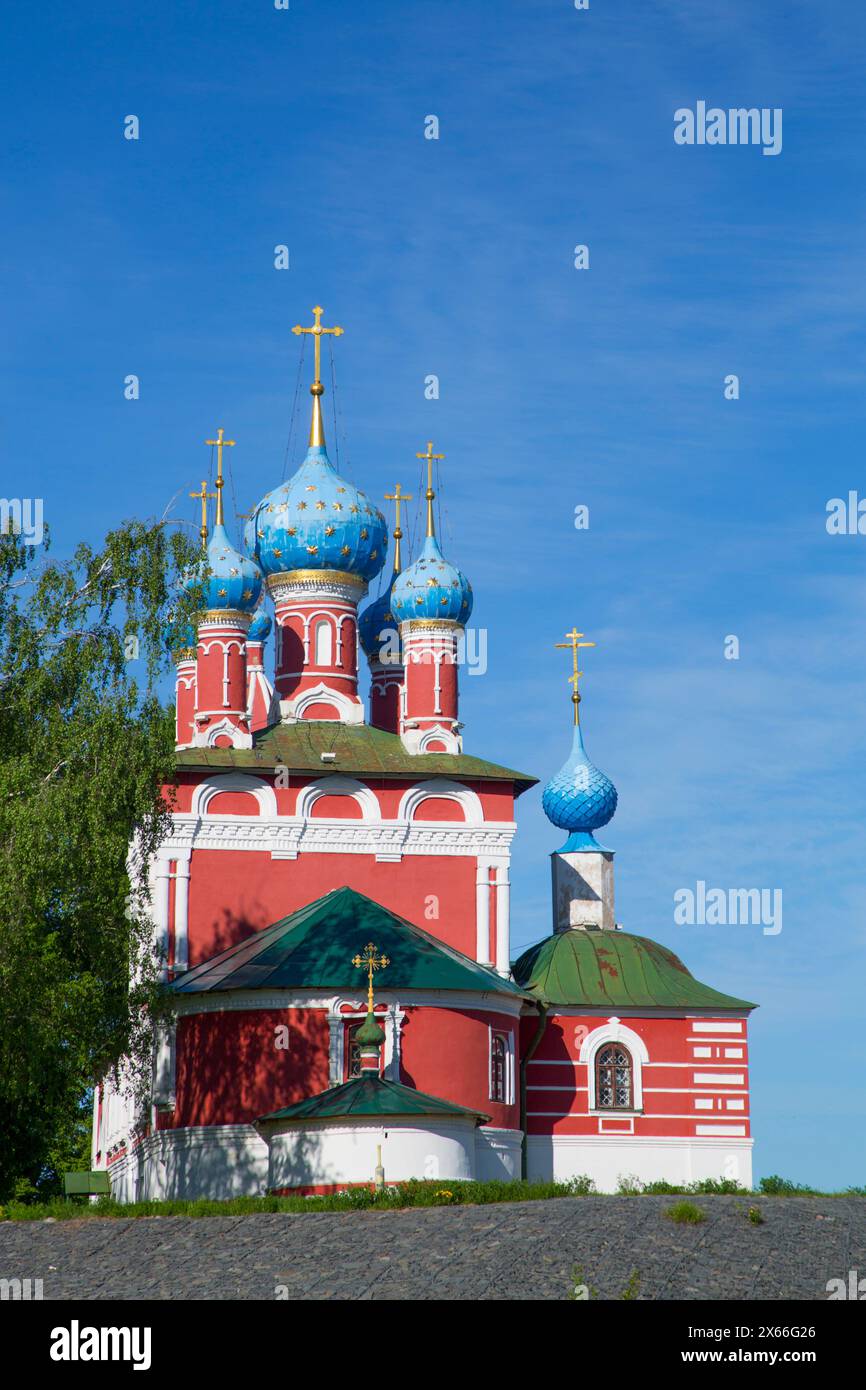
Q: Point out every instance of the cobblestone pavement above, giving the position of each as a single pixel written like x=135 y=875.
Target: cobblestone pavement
x=524 y=1250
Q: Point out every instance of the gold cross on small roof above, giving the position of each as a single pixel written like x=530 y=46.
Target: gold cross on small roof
x=368 y=958
x=573 y=641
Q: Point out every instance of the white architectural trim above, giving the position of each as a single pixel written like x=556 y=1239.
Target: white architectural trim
x=284 y=837
x=250 y=1000
x=614 y=1031
x=338 y=786
x=232 y=782
x=225 y=728
x=442 y=788
x=416 y=740
x=349 y=710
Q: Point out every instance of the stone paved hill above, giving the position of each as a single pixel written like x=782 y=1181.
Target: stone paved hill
x=517 y=1250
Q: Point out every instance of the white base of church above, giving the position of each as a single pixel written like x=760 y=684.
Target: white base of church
x=608 y=1159
x=215 y=1161
x=222 y=1161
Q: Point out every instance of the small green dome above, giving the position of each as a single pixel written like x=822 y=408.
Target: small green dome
x=370 y=1034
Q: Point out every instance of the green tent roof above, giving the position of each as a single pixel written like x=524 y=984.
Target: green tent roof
x=313 y=948
x=614 y=969
x=370 y=1095
x=359 y=748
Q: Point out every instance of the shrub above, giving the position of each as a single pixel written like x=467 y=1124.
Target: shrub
x=685 y=1214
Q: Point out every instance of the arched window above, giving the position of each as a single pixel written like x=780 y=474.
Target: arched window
x=323 y=643
x=614 y=1078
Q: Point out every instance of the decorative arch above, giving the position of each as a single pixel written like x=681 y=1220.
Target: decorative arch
x=234 y=782
x=338 y=786
x=442 y=788
x=613 y=1031
x=346 y=711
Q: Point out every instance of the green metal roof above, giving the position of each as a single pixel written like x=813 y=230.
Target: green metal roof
x=614 y=969
x=313 y=948
x=359 y=748
x=370 y=1095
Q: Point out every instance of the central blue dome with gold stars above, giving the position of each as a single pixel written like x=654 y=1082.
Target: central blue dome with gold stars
x=318 y=521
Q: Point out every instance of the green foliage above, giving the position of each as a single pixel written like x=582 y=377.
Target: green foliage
x=409 y=1194
x=783 y=1187
x=85 y=744
x=685 y=1214
x=631 y=1186
x=755 y=1216
x=632 y=1288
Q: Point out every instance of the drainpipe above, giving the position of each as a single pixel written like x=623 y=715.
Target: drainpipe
x=530 y=1053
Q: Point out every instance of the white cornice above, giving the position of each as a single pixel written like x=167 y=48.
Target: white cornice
x=251 y=1000
x=285 y=837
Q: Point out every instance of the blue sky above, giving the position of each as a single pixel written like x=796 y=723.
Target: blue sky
x=558 y=387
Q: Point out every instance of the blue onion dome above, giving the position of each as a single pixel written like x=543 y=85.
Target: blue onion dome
x=376 y=619
x=233 y=580
x=432 y=588
x=260 y=627
x=579 y=798
x=318 y=520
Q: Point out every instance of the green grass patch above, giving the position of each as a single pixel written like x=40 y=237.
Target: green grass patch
x=685 y=1214
x=409 y=1194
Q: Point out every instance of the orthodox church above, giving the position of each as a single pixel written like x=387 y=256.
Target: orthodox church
x=332 y=905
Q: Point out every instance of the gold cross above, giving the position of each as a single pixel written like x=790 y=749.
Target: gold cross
x=317 y=330
x=575 y=644
x=230 y=444
x=372 y=962
x=430 y=494
x=397 y=497
x=203 y=498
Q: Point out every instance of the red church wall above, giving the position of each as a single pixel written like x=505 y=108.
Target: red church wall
x=447 y=1053
x=231 y=1071
x=236 y=892
x=686 y=1064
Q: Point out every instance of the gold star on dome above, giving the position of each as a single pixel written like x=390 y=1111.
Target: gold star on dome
x=341 y=489
x=420 y=598
x=221 y=593
x=312 y=550
x=260 y=534
x=344 y=550
x=248 y=593
x=311 y=487
x=302 y=506
x=329 y=530
x=374 y=554
x=233 y=570
x=338 y=506
x=320 y=506
x=444 y=598
x=364 y=533
x=277 y=552
x=291 y=530
x=432 y=584
x=354 y=509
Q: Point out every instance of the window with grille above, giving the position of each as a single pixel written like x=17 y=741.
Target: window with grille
x=614 y=1089
x=499 y=1068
